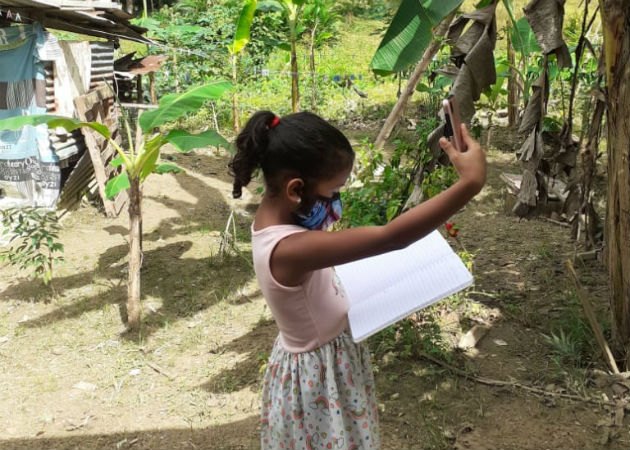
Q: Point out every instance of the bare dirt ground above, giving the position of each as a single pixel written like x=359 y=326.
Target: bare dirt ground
x=69 y=379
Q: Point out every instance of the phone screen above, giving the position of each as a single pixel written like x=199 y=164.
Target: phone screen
x=452 y=127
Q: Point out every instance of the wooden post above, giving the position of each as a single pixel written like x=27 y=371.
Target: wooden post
x=422 y=65
x=152 y=88
x=139 y=88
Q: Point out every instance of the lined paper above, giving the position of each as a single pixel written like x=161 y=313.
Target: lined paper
x=386 y=288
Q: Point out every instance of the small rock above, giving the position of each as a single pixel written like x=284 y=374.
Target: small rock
x=134 y=372
x=85 y=386
x=4 y=339
x=57 y=351
x=500 y=342
x=381 y=407
x=394 y=396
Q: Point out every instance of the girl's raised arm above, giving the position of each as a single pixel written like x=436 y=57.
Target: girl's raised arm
x=301 y=253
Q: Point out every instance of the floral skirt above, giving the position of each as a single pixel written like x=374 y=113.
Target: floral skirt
x=322 y=399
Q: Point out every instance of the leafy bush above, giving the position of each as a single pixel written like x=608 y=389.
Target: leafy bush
x=378 y=191
x=32 y=240
x=440 y=179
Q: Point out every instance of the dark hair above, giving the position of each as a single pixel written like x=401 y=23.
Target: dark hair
x=301 y=144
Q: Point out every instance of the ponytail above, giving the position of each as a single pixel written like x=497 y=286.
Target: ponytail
x=301 y=144
x=251 y=146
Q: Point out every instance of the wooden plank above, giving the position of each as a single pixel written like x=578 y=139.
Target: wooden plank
x=79 y=179
x=95 y=106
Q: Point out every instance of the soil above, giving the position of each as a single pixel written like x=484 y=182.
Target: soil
x=70 y=379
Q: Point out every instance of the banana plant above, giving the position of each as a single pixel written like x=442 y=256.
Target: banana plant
x=141 y=159
x=241 y=38
x=292 y=10
x=320 y=19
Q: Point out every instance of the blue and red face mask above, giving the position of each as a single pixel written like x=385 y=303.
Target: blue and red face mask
x=325 y=212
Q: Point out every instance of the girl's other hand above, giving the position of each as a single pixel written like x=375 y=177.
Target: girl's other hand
x=470 y=164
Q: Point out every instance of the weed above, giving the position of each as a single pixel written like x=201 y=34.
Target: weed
x=33 y=240
x=263 y=360
x=565 y=348
x=547 y=253
x=572 y=341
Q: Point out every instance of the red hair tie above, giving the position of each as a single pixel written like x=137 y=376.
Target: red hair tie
x=274 y=122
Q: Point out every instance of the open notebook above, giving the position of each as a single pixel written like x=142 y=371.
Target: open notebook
x=386 y=288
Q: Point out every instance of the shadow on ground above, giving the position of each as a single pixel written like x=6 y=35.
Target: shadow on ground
x=242 y=434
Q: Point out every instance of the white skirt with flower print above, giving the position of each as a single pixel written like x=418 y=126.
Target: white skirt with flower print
x=322 y=399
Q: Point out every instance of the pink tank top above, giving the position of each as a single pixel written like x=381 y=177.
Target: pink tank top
x=308 y=315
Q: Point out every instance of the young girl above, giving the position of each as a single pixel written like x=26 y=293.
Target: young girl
x=318 y=390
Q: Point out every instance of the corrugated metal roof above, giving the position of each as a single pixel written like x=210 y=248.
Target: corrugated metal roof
x=100 y=18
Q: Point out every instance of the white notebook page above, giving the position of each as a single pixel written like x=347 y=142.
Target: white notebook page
x=385 y=288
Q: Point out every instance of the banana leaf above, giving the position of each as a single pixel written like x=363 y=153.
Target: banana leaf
x=241 y=38
x=522 y=37
x=115 y=185
x=409 y=34
x=174 y=106
x=184 y=141
x=69 y=124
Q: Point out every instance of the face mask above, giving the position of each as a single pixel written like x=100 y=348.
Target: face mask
x=325 y=212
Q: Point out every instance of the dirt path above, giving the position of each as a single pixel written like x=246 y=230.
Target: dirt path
x=69 y=380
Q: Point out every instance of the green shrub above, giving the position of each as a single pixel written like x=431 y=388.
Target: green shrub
x=32 y=240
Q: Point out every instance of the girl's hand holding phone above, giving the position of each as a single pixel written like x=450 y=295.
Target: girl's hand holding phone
x=470 y=164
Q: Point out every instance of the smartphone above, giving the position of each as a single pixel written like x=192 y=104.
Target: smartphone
x=453 y=127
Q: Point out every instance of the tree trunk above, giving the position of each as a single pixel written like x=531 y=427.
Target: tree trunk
x=129 y=6
x=410 y=87
x=175 y=71
x=135 y=254
x=237 y=126
x=295 y=88
x=616 y=28
x=312 y=60
x=512 y=85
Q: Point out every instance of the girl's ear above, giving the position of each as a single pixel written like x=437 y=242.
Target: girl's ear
x=293 y=190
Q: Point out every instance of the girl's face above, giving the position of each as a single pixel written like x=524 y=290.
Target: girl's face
x=329 y=187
